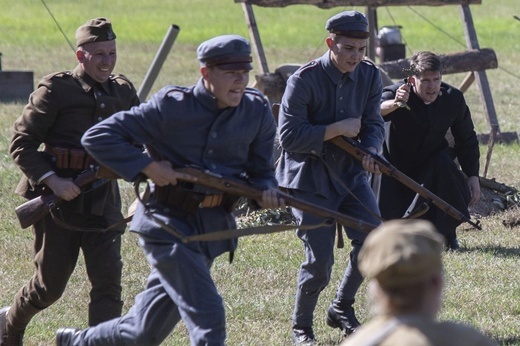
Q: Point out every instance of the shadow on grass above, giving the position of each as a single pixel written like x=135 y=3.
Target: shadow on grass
x=498 y=251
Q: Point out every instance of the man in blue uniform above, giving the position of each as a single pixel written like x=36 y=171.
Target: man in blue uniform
x=63 y=106
x=417 y=145
x=335 y=95
x=218 y=124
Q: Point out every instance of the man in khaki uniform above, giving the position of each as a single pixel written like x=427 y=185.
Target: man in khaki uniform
x=403 y=260
x=64 y=105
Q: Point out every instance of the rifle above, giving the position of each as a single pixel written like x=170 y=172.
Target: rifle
x=35 y=209
x=358 y=151
x=217 y=182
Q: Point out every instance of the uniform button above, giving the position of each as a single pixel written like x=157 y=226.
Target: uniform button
x=102 y=105
x=313 y=152
x=341 y=111
x=341 y=98
x=210 y=152
x=100 y=119
x=214 y=166
x=214 y=134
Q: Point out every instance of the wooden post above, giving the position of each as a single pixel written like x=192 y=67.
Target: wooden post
x=371 y=14
x=482 y=82
x=480 y=76
x=256 y=43
x=468 y=80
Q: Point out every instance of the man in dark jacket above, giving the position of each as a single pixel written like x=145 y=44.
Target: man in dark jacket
x=60 y=110
x=417 y=145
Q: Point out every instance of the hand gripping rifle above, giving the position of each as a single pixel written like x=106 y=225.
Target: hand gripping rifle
x=35 y=209
x=233 y=187
x=358 y=151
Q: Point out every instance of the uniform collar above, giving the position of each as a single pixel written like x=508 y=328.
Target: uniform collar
x=332 y=71
x=86 y=81
x=205 y=97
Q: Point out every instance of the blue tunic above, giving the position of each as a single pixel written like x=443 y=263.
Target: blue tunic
x=186 y=127
x=317 y=95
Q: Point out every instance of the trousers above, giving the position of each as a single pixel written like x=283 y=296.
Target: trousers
x=56 y=254
x=315 y=271
x=179 y=287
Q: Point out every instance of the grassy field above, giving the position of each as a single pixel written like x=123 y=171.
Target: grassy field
x=482 y=280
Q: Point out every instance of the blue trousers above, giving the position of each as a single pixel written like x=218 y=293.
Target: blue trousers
x=179 y=287
x=316 y=270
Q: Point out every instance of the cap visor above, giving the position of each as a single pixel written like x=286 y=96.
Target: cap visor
x=236 y=66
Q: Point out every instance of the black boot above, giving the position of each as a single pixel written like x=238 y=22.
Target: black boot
x=341 y=315
x=8 y=338
x=303 y=336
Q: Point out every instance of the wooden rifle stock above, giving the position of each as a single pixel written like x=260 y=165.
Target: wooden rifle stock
x=217 y=182
x=358 y=151
x=35 y=209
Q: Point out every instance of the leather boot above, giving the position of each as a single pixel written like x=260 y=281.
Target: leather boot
x=8 y=339
x=65 y=336
x=303 y=336
x=341 y=315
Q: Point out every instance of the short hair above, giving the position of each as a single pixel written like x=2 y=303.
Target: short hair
x=351 y=34
x=425 y=61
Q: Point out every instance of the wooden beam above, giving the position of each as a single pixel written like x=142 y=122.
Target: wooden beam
x=480 y=75
x=371 y=14
x=468 y=80
x=256 y=42
x=466 y=61
x=370 y=3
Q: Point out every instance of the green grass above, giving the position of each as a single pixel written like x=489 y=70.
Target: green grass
x=482 y=281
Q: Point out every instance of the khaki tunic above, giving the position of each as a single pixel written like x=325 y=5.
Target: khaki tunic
x=59 y=111
x=416 y=331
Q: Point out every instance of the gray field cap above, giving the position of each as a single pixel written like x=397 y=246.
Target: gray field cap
x=228 y=52
x=348 y=23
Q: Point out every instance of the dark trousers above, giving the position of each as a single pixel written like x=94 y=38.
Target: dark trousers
x=56 y=253
x=442 y=177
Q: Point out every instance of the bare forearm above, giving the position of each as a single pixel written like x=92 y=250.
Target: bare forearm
x=388 y=107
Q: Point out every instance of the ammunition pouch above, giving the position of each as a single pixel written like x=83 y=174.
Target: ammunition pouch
x=179 y=197
x=69 y=159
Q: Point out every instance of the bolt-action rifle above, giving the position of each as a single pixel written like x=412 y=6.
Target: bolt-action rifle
x=237 y=188
x=355 y=149
x=35 y=209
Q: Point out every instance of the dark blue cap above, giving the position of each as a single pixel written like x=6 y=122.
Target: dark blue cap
x=228 y=52
x=349 y=23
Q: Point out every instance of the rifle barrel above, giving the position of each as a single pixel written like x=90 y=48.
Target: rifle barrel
x=217 y=182
x=355 y=149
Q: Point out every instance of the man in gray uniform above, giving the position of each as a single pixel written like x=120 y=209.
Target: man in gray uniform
x=337 y=94
x=403 y=260
x=63 y=106
x=218 y=124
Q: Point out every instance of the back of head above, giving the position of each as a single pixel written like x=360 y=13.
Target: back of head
x=402 y=252
x=425 y=61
